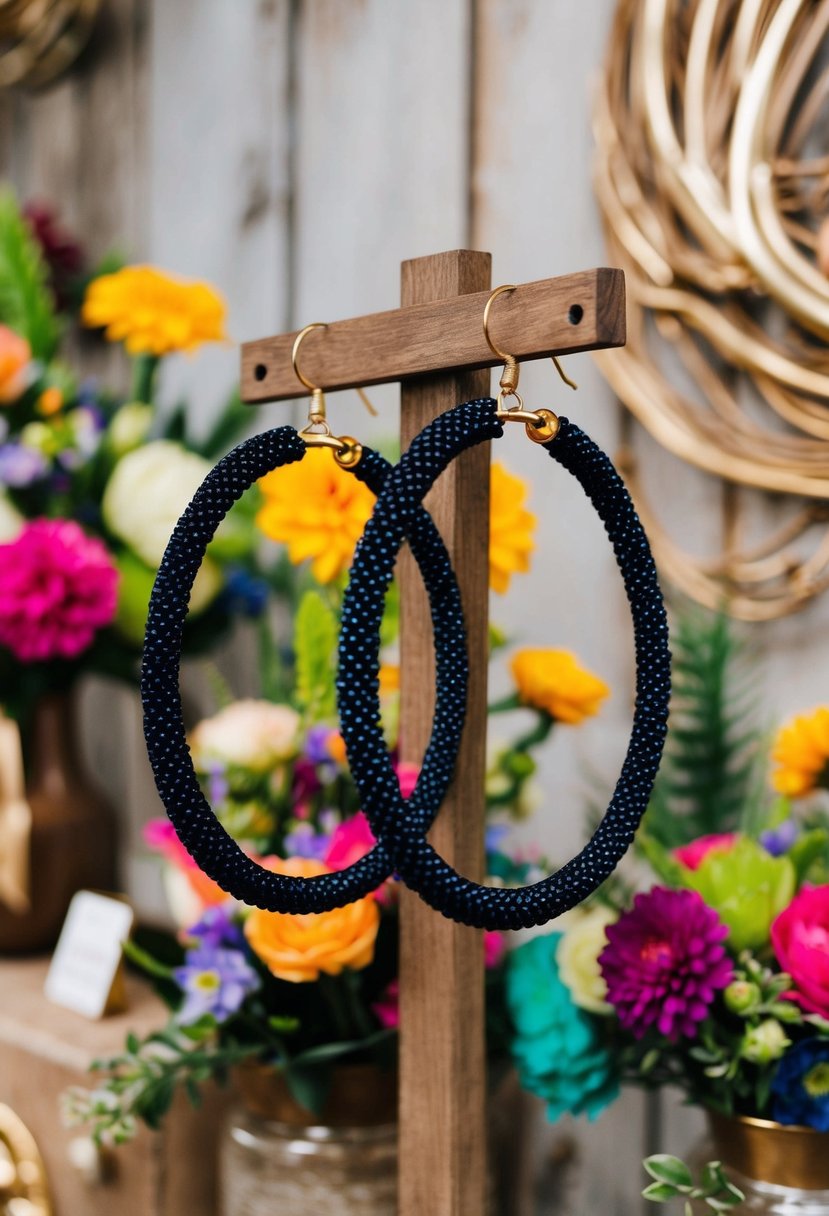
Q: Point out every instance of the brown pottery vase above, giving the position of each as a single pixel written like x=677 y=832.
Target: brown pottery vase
x=73 y=837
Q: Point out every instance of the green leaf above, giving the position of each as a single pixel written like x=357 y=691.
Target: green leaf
x=660 y=860
x=201 y=1029
x=315 y=645
x=146 y=961
x=665 y=1168
x=660 y=1192
x=309 y=1086
x=806 y=850
x=284 y=1025
x=25 y=299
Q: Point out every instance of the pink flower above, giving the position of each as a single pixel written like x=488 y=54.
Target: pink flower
x=407 y=775
x=350 y=841
x=160 y=836
x=58 y=586
x=495 y=947
x=800 y=938
x=387 y=1009
x=693 y=854
x=664 y=963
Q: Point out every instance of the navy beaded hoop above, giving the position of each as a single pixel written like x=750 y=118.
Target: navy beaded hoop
x=216 y=852
x=413 y=857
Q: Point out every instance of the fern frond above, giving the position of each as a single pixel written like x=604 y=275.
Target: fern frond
x=709 y=775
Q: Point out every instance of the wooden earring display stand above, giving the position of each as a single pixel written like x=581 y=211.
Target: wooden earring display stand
x=435 y=345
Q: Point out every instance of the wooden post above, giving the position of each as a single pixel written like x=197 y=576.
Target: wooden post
x=442 y=1062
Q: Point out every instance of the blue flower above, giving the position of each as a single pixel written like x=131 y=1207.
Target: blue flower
x=800 y=1088
x=779 y=840
x=244 y=593
x=216 y=928
x=303 y=841
x=558 y=1048
x=214 y=982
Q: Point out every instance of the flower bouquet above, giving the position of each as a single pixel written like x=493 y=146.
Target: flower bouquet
x=300 y=996
x=710 y=971
x=92 y=480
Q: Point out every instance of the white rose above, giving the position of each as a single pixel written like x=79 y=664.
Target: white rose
x=11 y=521
x=148 y=491
x=130 y=427
x=248 y=734
x=578 y=956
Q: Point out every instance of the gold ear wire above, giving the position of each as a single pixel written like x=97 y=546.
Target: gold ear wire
x=541 y=425
x=316 y=432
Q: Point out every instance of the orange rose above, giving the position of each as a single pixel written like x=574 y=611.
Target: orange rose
x=298 y=948
x=15 y=354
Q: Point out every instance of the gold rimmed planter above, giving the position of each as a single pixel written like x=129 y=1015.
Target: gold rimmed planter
x=783 y=1170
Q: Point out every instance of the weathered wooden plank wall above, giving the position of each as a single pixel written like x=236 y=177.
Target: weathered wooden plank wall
x=294 y=152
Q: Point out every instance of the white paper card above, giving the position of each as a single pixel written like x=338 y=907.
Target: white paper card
x=88 y=955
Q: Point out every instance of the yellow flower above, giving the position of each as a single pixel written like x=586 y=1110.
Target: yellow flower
x=152 y=312
x=50 y=402
x=511 y=527
x=318 y=510
x=15 y=354
x=552 y=680
x=577 y=956
x=298 y=948
x=389 y=679
x=801 y=753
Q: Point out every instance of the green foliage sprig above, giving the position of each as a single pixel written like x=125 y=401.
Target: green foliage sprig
x=25 y=299
x=673 y=1180
x=709 y=773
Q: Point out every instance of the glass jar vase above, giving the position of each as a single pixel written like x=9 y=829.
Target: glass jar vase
x=276 y=1157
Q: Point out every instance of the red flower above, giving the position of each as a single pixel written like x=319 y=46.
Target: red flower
x=800 y=937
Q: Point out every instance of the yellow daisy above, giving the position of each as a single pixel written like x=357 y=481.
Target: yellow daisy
x=801 y=753
x=318 y=510
x=554 y=681
x=153 y=313
x=511 y=527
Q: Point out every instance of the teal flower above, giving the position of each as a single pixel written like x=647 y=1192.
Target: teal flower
x=558 y=1048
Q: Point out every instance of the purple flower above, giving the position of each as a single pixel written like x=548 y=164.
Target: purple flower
x=216 y=928
x=20 y=466
x=779 y=840
x=217 y=784
x=664 y=963
x=306 y=782
x=305 y=842
x=317 y=749
x=495 y=836
x=214 y=982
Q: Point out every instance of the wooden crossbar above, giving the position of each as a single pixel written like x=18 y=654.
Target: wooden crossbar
x=574 y=312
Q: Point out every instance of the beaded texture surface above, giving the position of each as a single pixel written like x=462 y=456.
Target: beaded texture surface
x=198 y=828
x=413 y=857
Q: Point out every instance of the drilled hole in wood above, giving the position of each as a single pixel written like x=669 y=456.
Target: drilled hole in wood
x=260 y=371
x=575 y=314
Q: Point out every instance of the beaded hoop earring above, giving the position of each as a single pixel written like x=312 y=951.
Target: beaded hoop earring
x=216 y=852
x=413 y=857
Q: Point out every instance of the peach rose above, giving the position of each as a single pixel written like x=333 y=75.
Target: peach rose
x=15 y=355
x=298 y=948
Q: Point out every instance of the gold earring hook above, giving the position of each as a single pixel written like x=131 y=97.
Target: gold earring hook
x=317 y=432
x=541 y=425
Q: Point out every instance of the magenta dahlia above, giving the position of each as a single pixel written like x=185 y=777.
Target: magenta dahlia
x=58 y=586
x=664 y=963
